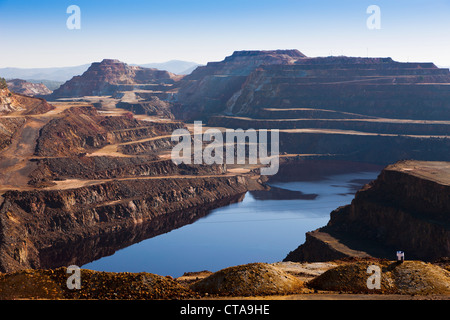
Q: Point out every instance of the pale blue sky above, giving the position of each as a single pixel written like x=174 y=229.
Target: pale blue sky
x=34 y=33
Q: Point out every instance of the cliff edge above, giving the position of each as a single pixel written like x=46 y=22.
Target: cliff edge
x=406 y=208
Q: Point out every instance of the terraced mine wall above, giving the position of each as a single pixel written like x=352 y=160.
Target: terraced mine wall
x=377 y=87
x=79 y=197
x=403 y=101
x=152 y=107
x=348 y=108
x=370 y=87
x=94 y=168
x=208 y=88
x=395 y=127
x=34 y=223
x=147 y=147
x=377 y=149
x=84 y=129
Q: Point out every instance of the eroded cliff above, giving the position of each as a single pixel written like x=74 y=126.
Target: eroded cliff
x=348 y=108
x=78 y=184
x=28 y=88
x=208 y=88
x=37 y=227
x=406 y=208
x=110 y=76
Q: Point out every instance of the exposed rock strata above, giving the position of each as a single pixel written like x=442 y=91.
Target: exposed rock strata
x=208 y=88
x=348 y=108
x=21 y=104
x=371 y=148
x=94 y=168
x=152 y=106
x=80 y=191
x=105 y=243
x=109 y=76
x=27 y=88
x=35 y=222
x=377 y=126
x=377 y=87
x=406 y=208
x=83 y=129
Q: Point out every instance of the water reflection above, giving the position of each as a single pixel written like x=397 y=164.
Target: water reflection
x=106 y=243
x=275 y=193
x=262 y=227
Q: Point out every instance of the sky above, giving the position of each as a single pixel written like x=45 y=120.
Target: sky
x=34 y=34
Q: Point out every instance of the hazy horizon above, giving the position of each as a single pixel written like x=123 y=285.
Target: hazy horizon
x=162 y=62
x=89 y=63
x=142 y=32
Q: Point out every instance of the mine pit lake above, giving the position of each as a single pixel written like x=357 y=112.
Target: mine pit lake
x=264 y=227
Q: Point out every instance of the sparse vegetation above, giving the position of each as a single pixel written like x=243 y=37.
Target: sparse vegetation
x=3 y=84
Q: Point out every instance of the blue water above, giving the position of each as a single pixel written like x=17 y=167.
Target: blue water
x=249 y=231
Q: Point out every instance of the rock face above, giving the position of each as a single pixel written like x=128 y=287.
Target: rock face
x=109 y=76
x=373 y=87
x=284 y=84
x=21 y=104
x=347 y=108
x=84 y=129
x=39 y=227
x=208 y=88
x=28 y=88
x=152 y=106
x=103 y=167
x=406 y=208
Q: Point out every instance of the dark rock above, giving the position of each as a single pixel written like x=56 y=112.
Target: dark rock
x=406 y=208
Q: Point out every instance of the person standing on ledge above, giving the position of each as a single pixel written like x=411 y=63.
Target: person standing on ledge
x=400 y=256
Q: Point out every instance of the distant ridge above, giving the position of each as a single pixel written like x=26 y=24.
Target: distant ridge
x=54 y=74
x=174 y=66
x=62 y=74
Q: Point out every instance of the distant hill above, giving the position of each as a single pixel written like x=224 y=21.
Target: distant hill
x=173 y=66
x=109 y=76
x=27 y=88
x=55 y=74
x=63 y=74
